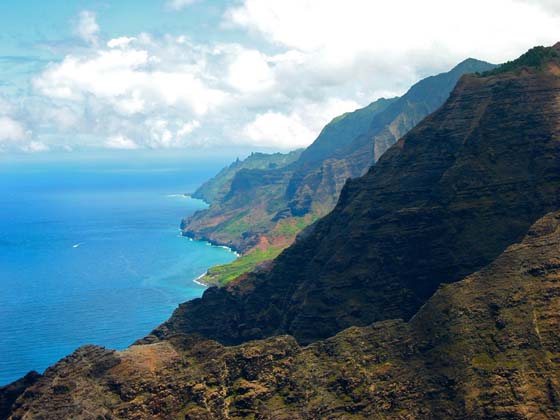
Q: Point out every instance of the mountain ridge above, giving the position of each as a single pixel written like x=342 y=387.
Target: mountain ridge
x=265 y=209
x=441 y=203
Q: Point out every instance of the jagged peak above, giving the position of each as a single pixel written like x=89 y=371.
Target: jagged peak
x=469 y=62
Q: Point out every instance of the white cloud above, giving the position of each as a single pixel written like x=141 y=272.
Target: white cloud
x=130 y=81
x=106 y=74
x=35 y=147
x=273 y=129
x=120 y=42
x=11 y=130
x=188 y=128
x=548 y=5
x=63 y=116
x=296 y=65
x=164 y=134
x=160 y=134
x=121 y=142
x=343 y=32
x=296 y=129
x=250 y=72
x=179 y=4
x=87 y=27
x=146 y=92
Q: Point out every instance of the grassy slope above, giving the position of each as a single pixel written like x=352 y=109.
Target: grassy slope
x=221 y=275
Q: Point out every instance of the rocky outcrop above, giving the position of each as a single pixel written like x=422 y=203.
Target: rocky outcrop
x=10 y=393
x=443 y=202
x=486 y=347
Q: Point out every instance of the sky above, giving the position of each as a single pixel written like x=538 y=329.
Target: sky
x=198 y=75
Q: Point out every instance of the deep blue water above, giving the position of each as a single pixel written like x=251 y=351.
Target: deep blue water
x=91 y=253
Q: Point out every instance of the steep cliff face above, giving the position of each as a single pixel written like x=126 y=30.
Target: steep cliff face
x=10 y=393
x=443 y=202
x=486 y=347
x=268 y=208
x=318 y=180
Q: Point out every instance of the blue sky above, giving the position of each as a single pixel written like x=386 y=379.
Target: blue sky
x=200 y=75
x=27 y=24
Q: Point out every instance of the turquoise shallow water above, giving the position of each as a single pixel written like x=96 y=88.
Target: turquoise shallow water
x=92 y=254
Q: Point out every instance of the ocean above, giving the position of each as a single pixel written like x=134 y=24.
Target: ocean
x=91 y=253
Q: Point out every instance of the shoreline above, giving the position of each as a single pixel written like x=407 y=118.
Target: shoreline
x=207 y=241
x=192 y=236
x=196 y=280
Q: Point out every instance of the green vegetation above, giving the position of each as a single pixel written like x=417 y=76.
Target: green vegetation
x=236 y=226
x=293 y=226
x=536 y=57
x=221 y=275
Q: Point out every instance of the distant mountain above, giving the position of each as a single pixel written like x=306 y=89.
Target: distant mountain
x=265 y=209
x=218 y=187
x=430 y=292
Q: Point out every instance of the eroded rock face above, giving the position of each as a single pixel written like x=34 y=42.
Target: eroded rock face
x=486 y=347
x=10 y=393
x=443 y=202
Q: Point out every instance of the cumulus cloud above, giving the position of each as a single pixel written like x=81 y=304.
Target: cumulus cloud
x=304 y=63
x=187 y=128
x=121 y=142
x=35 y=147
x=439 y=30
x=87 y=27
x=296 y=129
x=250 y=72
x=120 y=42
x=274 y=129
x=11 y=130
x=129 y=80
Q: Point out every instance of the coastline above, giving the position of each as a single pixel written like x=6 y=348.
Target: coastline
x=198 y=279
x=192 y=236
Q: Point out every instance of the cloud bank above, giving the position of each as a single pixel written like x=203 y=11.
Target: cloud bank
x=301 y=64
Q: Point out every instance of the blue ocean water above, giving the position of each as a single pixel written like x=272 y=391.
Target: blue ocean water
x=91 y=254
